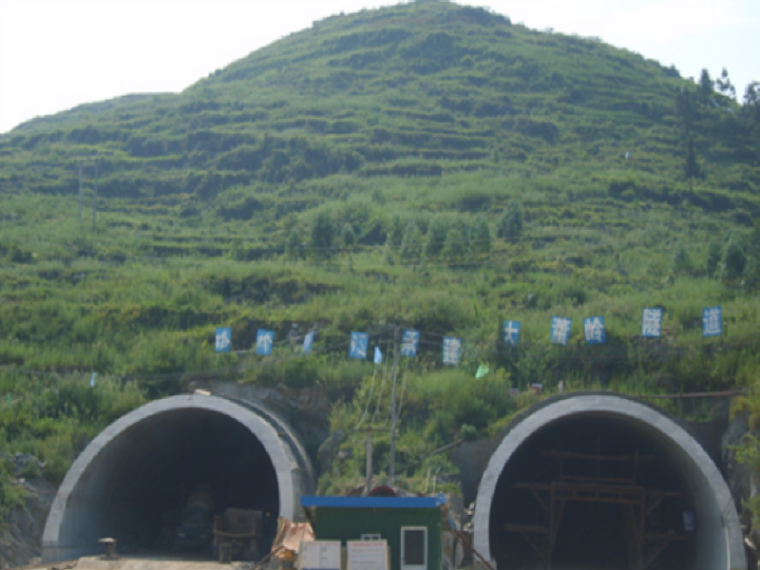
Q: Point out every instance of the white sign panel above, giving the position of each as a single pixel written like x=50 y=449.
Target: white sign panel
x=367 y=555
x=320 y=555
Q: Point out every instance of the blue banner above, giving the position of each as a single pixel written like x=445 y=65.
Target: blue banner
x=712 y=321
x=410 y=341
x=651 y=322
x=359 y=342
x=223 y=339
x=378 y=355
x=593 y=328
x=452 y=350
x=561 y=330
x=308 y=341
x=264 y=342
x=511 y=332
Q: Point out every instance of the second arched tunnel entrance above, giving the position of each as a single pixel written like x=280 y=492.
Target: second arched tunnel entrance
x=608 y=488
x=603 y=482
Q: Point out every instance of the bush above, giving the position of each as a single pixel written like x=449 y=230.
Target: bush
x=510 y=225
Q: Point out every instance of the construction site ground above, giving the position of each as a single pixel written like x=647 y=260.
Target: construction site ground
x=140 y=562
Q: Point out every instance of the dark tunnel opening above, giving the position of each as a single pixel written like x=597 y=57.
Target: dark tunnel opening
x=140 y=484
x=617 y=512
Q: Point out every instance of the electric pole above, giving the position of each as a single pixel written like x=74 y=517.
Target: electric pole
x=392 y=467
x=369 y=461
x=95 y=199
x=80 y=193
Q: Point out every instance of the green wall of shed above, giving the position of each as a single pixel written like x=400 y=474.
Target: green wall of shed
x=349 y=524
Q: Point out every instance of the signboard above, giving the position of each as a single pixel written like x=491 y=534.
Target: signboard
x=223 y=339
x=511 y=332
x=320 y=555
x=264 y=342
x=410 y=341
x=359 y=342
x=651 y=322
x=368 y=555
x=712 y=321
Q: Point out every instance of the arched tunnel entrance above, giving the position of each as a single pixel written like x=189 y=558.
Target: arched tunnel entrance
x=604 y=482
x=133 y=481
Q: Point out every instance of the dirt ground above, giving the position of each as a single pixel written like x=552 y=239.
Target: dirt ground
x=139 y=563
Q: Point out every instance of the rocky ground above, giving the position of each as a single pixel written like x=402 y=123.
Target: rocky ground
x=21 y=531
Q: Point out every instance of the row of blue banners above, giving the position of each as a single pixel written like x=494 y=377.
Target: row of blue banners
x=593 y=328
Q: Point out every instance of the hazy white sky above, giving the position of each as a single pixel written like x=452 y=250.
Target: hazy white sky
x=56 y=54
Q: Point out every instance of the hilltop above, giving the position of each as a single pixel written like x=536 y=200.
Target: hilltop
x=427 y=165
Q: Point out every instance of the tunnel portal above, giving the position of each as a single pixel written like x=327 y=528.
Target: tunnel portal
x=133 y=480
x=603 y=482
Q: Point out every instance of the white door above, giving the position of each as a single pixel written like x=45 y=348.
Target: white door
x=414 y=548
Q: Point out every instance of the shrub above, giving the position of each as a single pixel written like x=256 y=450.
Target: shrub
x=510 y=225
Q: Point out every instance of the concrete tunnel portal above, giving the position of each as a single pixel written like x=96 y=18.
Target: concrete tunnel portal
x=131 y=482
x=599 y=481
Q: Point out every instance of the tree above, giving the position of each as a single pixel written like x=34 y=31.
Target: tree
x=713 y=257
x=436 y=236
x=454 y=249
x=411 y=245
x=323 y=234
x=347 y=235
x=705 y=85
x=752 y=268
x=480 y=236
x=510 y=224
x=394 y=233
x=294 y=244
x=681 y=262
x=724 y=85
x=686 y=108
x=691 y=164
x=733 y=262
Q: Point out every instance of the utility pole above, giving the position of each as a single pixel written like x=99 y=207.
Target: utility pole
x=80 y=193
x=392 y=468
x=95 y=199
x=369 y=461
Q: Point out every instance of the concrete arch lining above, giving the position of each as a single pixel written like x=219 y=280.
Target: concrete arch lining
x=71 y=528
x=719 y=541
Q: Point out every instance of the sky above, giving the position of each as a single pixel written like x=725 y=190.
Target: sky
x=57 y=54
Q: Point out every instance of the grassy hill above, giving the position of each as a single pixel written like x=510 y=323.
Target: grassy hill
x=427 y=165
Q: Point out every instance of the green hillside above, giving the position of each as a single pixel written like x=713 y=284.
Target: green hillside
x=426 y=165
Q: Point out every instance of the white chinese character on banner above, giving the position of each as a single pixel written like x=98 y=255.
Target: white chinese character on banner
x=594 y=330
x=409 y=341
x=452 y=348
x=511 y=332
x=560 y=330
x=264 y=342
x=712 y=322
x=223 y=340
x=651 y=322
x=359 y=342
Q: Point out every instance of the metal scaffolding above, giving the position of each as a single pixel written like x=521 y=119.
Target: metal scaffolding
x=640 y=505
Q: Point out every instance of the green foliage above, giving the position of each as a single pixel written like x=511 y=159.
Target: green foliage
x=705 y=85
x=11 y=493
x=510 y=225
x=681 y=262
x=322 y=234
x=347 y=235
x=480 y=236
x=455 y=249
x=294 y=246
x=435 y=240
x=691 y=166
x=714 y=254
x=411 y=245
x=733 y=261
